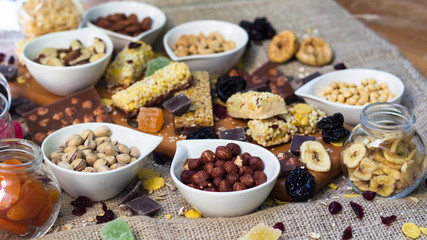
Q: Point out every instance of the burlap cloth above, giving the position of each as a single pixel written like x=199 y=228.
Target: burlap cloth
x=353 y=44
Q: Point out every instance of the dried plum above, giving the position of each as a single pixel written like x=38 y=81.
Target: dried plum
x=202 y=133
x=161 y=158
x=220 y=111
x=334 y=135
x=229 y=85
x=340 y=66
x=259 y=30
x=300 y=185
x=331 y=122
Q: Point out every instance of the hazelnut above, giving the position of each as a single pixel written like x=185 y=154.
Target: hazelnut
x=208 y=156
x=245 y=170
x=193 y=164
x=259 y=181
x=192 y=185
x=235 y=149
x=223 y=153
x=256 y=163
x=186 y=176
x=248 y=180
x=208 y=168
x=224 y=186
x=219 y=162
x=230 y=167
x=218 y=172
x=204 y=184
x=232 y=178
x=245 y=156
x=199 y=177
x=260 y=175
x=217 y=180
x=238 y=186
x=211 y=189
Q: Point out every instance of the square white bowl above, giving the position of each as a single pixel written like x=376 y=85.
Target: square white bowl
x=99 y=186
x=141 y=10
x=310 y=91
x=218 y=63
x=223 y=204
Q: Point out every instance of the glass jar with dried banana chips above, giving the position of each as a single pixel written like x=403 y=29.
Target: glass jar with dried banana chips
x=384 y=153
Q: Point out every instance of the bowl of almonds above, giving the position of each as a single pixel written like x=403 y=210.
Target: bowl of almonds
x=224 y=178
x=96 y=160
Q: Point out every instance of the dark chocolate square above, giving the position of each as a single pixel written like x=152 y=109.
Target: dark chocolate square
x=178 y=105
x=233 y=134
x=135 y=191
x=9 y=72
x=144 y=206
x=297 y=140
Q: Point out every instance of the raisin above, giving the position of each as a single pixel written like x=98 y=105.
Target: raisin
x=331 y=122
x=300 y=184
x=369 y=195
x=220 y=111
x=334 y=135
x=340 y=66
x=358 y=210
x=335 y=207
x=388 y=220
x=229 y=85
x=348 y=233
x=161 y=158
x=279 y=226
x=82 y=201
x=202 y=133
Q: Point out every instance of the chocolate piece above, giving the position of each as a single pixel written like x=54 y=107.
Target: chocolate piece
x=286 y=169
x=134 y=192
x=233 y=134
x=260 y=88
x=309 y=77
x=340 y=66
x=297 y=140
x=178 y=105
x=288 y=162
x=83 y=106
x=21 y=105
x=144 y=206
x=9 y=72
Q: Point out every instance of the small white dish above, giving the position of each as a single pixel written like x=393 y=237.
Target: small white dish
x=351 y=113
x=141 y=10
x=66 y=80
x=224 y=204
x=218 y=63
x=99 y=186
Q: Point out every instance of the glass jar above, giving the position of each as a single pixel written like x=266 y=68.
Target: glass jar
x=29 y=192
x=384 y=154
x=6 y=125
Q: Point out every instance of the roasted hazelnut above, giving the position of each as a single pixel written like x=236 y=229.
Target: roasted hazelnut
x=238 y=186
x=186 y=176
x=208 y=156
x=245 y=156
x=192 y=185
x=208 y=168
x=204 y=184
x=259 y=181
x=218 y=172
x=230 y=167
x=245 y=170
x=248 y=180
x=235 y=149
x=232 y=178
x=217 y=180
x=199 y=177
x=79 y=164
x=193 y=164
x=223 y=153
x=256 y=163
x=219 y=162
x=224 y=186
x=260 y=175
x=211 y=189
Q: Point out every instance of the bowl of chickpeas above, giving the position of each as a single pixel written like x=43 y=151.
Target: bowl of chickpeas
x=349 y=91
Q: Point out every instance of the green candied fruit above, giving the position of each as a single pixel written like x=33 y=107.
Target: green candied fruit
x=116 y=229
x=155 y=64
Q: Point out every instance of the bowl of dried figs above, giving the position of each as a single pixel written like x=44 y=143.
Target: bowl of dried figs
x=69 y=61
x=96 y=160
x=224 y=178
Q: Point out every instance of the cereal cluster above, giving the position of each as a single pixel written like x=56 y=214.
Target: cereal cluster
x=349 y=93
x=193 y=45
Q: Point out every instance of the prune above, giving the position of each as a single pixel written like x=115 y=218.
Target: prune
x=79 y=211
x=229 y=85
x=358 y=210
x=334 y=135
x=279 y=226
x=300 y=184
x=348 y=233
x=340 y=66
x=259 y=30
x=161 y=158
x=369 y=195
x=108 y=215
x=220 y=111
x=331 y=122
x=202 y=133
x=82 y=201
x=388 y=220
x=334 y=207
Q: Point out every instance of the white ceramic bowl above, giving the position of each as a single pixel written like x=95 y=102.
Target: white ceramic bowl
x=66 y=80
x=351 y=113
x=141 y=10
x=99 y=186
x=223 y=204
x=218 y=63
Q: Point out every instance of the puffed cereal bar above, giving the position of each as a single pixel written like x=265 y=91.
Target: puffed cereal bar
x=270 y=131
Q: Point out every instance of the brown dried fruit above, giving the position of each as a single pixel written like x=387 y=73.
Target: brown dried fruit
x=223 y=153
x=256 y=163
x=208 y=156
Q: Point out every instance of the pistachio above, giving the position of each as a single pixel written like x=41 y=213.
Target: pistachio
x=87 y=134
x=86 y=151
x=102 y=168
x=100 y=140
x=69 y=148
x=123 y=148
x=123 y=158
x=90 y=143
x=110 y=149
x=115 y=143
x=133 y=151
x=55 y=160
x=101 y=155
x=56 y=154
x=79 y=164
x=132 y=159
x=110 y=159
x=65 y=165
x=116 y=165
x=69 y=138
x=74 y=154
x=89 y=169
x=101 y=147
x=100 y=162
x=81 y=147
x=64 y=158
x=91 y=158
x=102 y=131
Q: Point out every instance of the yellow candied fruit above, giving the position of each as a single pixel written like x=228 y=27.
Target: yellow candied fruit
x=280 y=202
x=333 y=186
x=423 y=230
x=107 y=101
x=302 y=108
x=154 y=183
x=337 y=144
x=352 y=195
x=168 y=216
x=411 y=230
x=262 y=232
x=146 y=173
x=414 y=199
x=192 y=213
x=268 y=201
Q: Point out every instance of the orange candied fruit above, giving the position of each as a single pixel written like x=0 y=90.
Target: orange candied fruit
x=150 y=119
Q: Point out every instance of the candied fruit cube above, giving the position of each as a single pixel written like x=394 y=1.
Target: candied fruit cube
x=155 y=64
x=116 y=229
x=150 y=119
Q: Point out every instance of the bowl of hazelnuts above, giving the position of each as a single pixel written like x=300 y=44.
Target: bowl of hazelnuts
x=224 y=178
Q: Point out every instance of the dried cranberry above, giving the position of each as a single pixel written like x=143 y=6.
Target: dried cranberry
x=220 y=111
x=130 y=61
x=388 y=220
x=161 y=158
x=335 y=207
x=348 y=233
x=79 y=211
x=134 y=45
x=369 y=195
x=108 y=215
x=279 y=226
x=82 y=201
x=358 y=210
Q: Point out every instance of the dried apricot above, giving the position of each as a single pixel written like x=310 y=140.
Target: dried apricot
x=150 y=119
x=44 y=214
x=30 y=202
x=9 y=191
x=12 y=227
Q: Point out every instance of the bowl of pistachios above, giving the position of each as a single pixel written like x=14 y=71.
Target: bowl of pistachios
x=96 y=160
